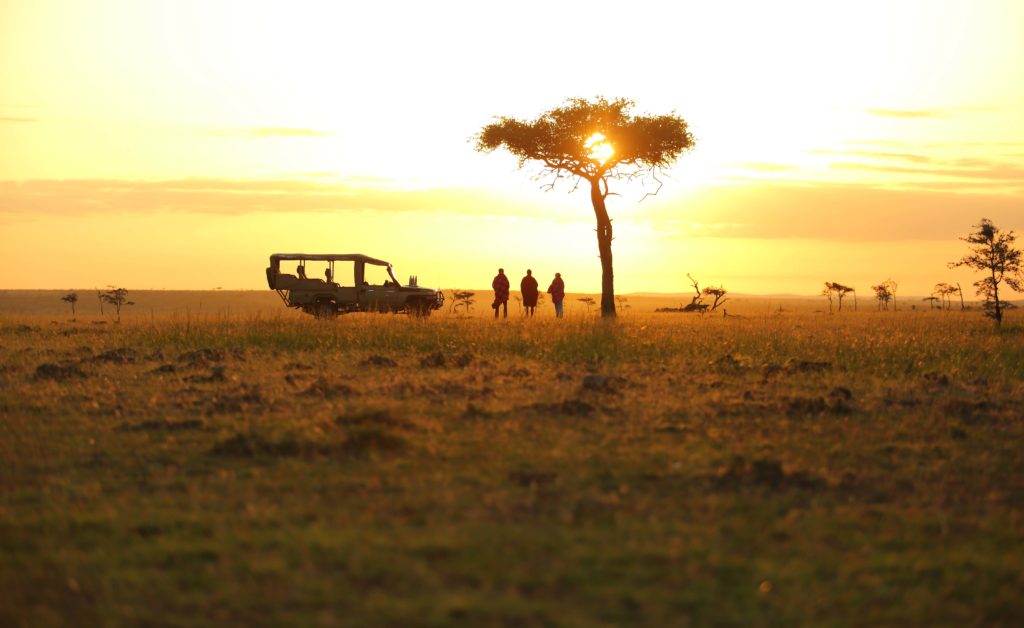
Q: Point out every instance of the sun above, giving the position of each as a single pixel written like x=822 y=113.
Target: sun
x=600 y=148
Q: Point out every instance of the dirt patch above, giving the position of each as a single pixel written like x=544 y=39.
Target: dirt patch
x=162 y=426
x=569 y=407
x=327 y=389
x=59 y=372
x=794 y=365
x=378 y=418
x=122 y=355
x=970 y=410
x=216 y=374
x=603 y=383
x=379 y=360
x=438 y=360
x=765 y=473
x=529 y=477
x=203 y=357
x=246 y=399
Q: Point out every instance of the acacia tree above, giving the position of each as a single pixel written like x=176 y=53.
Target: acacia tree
x=118 y=297
x=992 y=251
x=839 y=290
x=883 y=294
x=718 y=293
x=71 y=298
x=594 y=141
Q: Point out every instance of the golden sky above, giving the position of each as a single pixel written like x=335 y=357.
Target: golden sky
x=176 y=144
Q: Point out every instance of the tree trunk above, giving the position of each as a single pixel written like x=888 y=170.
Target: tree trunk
x=604 y=248
x=995 y=297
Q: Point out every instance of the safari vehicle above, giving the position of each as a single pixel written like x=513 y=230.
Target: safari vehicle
x=326 y=298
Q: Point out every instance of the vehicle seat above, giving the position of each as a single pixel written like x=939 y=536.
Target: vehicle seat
x=285 y=281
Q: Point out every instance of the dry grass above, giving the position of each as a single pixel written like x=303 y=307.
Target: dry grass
x=662 y=470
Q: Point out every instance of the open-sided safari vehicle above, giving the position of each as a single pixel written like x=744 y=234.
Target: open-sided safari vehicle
x=370 y=286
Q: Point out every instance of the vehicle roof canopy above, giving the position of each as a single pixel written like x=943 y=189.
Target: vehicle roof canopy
x=328 y=257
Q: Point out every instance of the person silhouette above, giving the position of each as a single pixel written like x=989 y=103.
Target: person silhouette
x=301 y=271
x=557 y=292
x=529 y=289
x=500 y=286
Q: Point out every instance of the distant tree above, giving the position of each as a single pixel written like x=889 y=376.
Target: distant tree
x=588 y=301
x=945 y=292
x=118 y=297
x=462 y=298
x=71 y=298
x=941 y=290
x=594 y=141
x=718 y=293
x=932 y=300
x=892 y=284
x=992 y=251
x=99 y=295
x=960 y=293
x=838 y=290
x=883 y=295
x=696 y=303
x=621 y=302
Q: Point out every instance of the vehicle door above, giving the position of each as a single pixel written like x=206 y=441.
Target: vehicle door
x=373 y=290
x=343 y=286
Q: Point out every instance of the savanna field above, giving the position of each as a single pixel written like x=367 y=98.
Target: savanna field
x=254 y=467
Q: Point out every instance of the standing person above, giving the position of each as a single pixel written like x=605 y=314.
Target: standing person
x=529 y=289
x=500 y=286
x=557 y=292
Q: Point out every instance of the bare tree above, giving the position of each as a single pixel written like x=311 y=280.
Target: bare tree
x=828 y=293
x=960 y=293
x=593 y=141
x=892 y=284
x=118 y=297
x=696 y=303
x=992 y=251
x=71 y=298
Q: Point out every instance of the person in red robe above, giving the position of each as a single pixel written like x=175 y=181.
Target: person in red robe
x=500 y=286
x=557 y=292
x=529 y=289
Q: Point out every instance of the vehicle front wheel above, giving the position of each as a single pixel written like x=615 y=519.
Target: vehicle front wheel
x=419 y=309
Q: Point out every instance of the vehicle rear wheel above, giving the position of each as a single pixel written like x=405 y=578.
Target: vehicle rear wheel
x=325 y=310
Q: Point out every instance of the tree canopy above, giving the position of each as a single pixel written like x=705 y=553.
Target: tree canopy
x=567 y=139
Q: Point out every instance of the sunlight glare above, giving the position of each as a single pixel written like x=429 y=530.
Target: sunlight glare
x=601 y=149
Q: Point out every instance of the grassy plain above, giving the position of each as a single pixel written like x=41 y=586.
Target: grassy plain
x=766 y=469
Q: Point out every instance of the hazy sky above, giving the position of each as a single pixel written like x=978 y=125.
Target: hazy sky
x=177 y=144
